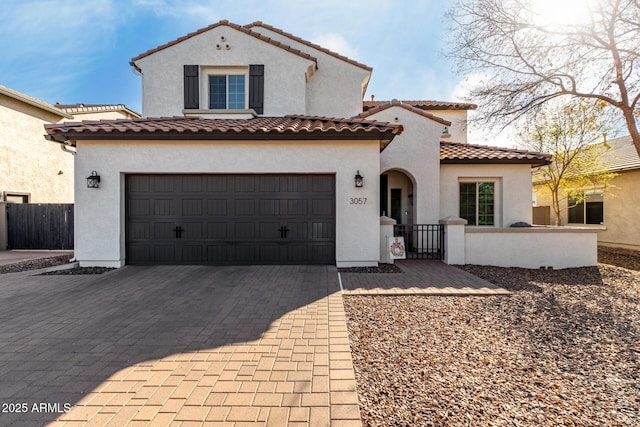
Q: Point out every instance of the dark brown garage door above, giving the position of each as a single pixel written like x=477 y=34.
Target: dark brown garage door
x=230 y=219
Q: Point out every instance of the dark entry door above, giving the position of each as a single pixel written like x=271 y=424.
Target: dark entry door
x=396 y=205
x=230 y=219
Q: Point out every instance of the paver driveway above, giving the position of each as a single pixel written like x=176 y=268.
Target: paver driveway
x=259 y=345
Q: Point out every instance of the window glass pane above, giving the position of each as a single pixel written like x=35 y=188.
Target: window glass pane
x=236 y=92
x=595 y=208
x=576 y=212
x=218 y=92
x=468 y=202
x=486 y=193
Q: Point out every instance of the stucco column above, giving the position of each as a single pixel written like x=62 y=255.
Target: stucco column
x=454 y=240
x=386 y=231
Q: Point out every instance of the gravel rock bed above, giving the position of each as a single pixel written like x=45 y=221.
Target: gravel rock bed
x=78 y=270
x=562 y=350
x=621 y=257
x=35 y=264
x=381 y=268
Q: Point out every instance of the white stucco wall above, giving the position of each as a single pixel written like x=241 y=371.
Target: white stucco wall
x=163 y=73
x=416 y=152
x=513 y=190
x=458 y=118
x=99 y=214
x=335 y=90
x=531 y=247
x=29 y=163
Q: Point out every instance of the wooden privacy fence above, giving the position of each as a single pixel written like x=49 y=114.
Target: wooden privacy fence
x=39 y=226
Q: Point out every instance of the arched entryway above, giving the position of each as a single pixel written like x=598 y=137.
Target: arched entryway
x=397 y=196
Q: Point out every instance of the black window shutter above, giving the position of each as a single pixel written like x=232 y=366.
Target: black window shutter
x=256 y=88
x=191 y=87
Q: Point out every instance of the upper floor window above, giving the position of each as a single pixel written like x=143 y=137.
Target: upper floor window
x=224 y=88
x=227 y=92
x=477 y=202
x=589 y=210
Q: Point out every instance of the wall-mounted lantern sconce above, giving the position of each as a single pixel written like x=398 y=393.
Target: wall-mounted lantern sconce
x=359 y=180
x=93 y=181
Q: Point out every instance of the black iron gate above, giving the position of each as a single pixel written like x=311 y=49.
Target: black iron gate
x=39 y=226
x=422 y=241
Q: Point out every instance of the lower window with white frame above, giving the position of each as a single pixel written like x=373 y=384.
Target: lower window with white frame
x=478 y=202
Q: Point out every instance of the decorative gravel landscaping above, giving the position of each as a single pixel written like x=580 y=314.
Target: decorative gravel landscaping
x=78 y=270
x=381 y=268
x=35 y=264
x=563 y=349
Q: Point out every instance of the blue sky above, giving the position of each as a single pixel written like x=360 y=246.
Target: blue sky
x=72 y=51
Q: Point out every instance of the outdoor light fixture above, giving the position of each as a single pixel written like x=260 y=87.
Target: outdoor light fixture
x=359 y=180
x=93 y=181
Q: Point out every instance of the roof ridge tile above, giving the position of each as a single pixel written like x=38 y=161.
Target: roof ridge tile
x=237 y=27
x=308 y=43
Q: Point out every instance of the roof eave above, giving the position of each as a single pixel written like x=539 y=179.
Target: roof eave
x=33 y=102
x=385 y=137
x=532 y=162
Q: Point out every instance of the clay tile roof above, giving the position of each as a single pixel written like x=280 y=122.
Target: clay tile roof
x=308 y=43
x=457 y=152
x=94 y=108
x=402 y=104
x=424 y=105
x=240 y=28
x=259 y=128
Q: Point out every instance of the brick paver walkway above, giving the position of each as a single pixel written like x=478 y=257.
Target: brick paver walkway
x=420 y=277
x=232 y=346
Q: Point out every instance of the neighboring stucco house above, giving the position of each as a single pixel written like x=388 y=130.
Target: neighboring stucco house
x=256 y=148
x=33 y=170
x=612 y=210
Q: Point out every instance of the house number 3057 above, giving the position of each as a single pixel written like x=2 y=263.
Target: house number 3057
x=357 y=200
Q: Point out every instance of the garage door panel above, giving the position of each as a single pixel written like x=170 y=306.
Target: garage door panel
x=191 y=184
x=192 y=207
x=218 y=254
x=216 y=207
x=165 y=207
x=141 y=206
x=164 y=230
x=164 y=253
x=244 y=230
x=269 y=230
x=322 y=230
x=245 y=207
x=323 y=253
x=216 y=183
x=140 y=230
x=298 y=230
x=322 y=207
x=244 y=183
x=193 y=253
x=217 y=230
x=193 y=230
x=230 y=219
x=164 y=183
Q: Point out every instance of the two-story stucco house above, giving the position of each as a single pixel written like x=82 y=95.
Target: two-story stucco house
x=256 y=148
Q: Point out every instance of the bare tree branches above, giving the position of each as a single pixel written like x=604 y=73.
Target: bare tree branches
x=525 y=63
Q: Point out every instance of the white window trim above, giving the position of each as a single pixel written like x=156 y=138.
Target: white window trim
x=206 y=71
x=497 y=198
